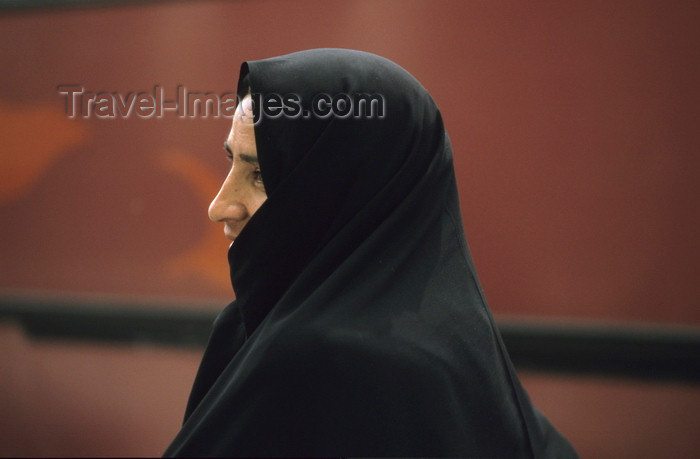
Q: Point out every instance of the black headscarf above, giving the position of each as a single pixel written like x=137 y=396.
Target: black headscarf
x=359 y=326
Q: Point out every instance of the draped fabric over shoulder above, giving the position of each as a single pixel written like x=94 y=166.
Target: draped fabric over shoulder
x=359 y=327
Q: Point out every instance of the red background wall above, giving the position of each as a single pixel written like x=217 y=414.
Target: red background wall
x=574 y=127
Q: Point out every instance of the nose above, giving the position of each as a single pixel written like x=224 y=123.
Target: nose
x=228 y=206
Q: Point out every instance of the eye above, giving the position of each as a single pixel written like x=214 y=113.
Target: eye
x=257 y=176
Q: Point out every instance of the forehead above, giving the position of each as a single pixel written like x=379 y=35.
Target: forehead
x=242 y=134
x=244 y=110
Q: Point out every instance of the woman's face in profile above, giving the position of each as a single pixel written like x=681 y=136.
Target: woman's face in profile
x=242 y=192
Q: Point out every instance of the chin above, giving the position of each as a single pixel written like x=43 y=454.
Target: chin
x=230 y=234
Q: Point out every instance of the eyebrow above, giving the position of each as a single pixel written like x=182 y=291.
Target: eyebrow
x=252 y=159
x=249 y=158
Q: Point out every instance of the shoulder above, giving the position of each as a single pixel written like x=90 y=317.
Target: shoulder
x=344 y=362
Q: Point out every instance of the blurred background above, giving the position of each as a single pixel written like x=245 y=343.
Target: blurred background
x=576 y=140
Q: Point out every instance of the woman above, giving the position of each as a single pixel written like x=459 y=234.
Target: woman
x=359 y=326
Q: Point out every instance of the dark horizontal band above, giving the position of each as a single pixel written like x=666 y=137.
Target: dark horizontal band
x=622 y=350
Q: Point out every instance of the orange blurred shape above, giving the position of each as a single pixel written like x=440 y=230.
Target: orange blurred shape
x=206 y=258
x=32 y=138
